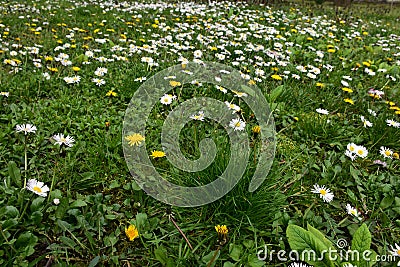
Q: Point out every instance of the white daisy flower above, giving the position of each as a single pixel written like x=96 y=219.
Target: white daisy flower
x=6 y=94
x=324 y=192
x=26 y=128
x=298 y=264
x=393 y=123
x=361 y=152
x=98 y=81
x=222 y=89
x=166 y=99
x=101 y=71
x=386 y=152
x=140 y=79
x=395 y=251
x=351 y=155
x=237 y=124
x=353 y=211
x=197 y=54
x=60 y=140
x=322 y=111
x=232 y=106
x=351 y=147
x=373 y=113
x=68 y=80
x=37 y=187
x=365 y=122
x=344 y=83
x=198 y=117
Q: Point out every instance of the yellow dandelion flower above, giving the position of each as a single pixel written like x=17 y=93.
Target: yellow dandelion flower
x=256 y=129
x=174 y=83
x=157 y=154
x=76 y=68
x=251 y=82
x=276 y=77
x=348 y=100
x=331 y=50
x=320 y=85
x=221 y=229
x=111 y=93
x=134 y=139
x=131 y=232
x=347 y=90
x=367 y=64
x=396 y=155
x=52 y=69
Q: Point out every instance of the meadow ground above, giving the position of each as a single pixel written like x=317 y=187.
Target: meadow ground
x=68 y=71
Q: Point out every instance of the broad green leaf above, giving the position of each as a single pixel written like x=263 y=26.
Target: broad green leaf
x=248 y=243
x=141 y=222
x=14 y=173
x=62 y=208
x=228 y=264
x=320 y=236
x=253 y=261
x=361 y=242
x=37 y=204
x=68 y=241
x=94 y=262
x=78 y=203
x=303 y=240
x=161 y=254
x=9 y=224
x=361 y=239
x=213 y=255
x=387 y=202
x=235 y=251
x=24 y=240
x=10 y=212
x=276 y=93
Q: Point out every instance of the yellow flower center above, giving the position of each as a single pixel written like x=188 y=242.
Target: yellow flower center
x=398 y=252
x=387 y=153
x=322 y=192
x=360 y=152
x=237 y=124
x=37 y=189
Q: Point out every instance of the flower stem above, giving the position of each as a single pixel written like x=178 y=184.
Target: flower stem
x=26 y=162
x=23 y=212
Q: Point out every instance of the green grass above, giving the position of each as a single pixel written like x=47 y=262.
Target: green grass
x=98 y=196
